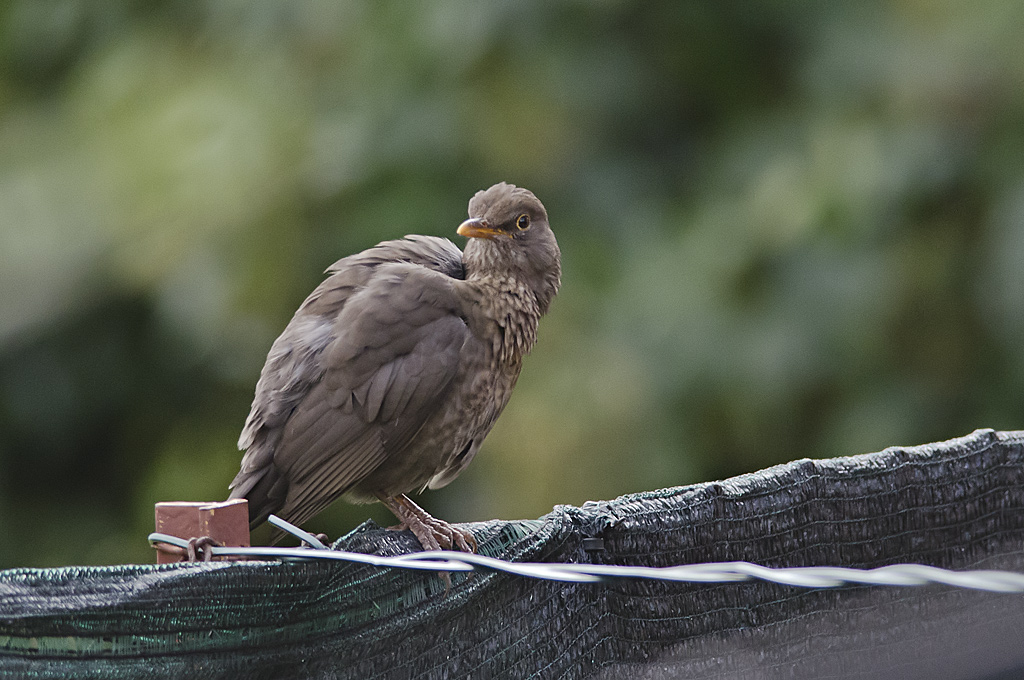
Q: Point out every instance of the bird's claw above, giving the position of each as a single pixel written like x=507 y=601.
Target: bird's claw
x=449 y=537
x=432 y=533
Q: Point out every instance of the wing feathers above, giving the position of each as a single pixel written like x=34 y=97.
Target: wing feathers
x=308 y=496
x=353 y=377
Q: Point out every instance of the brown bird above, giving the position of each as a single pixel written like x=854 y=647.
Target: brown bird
x=395 y=368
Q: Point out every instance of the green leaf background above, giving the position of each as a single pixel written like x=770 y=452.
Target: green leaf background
x=789 y=229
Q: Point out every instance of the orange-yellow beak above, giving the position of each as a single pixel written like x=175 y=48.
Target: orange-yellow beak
x=477 y=228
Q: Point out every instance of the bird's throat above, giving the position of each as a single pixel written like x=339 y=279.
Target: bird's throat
x=504 y=313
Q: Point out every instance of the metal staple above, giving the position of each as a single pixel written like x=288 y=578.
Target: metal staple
x=712 y=572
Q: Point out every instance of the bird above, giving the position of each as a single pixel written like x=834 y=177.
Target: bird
x=393 y=371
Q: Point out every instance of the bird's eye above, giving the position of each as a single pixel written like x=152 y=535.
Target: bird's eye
x=523 y=222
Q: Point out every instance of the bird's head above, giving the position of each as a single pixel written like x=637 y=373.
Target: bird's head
x=509 y=236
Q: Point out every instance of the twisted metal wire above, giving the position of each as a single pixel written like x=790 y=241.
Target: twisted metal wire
x=711 y=572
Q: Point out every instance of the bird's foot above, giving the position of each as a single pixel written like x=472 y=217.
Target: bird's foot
x=432 y=533
x=441 y=535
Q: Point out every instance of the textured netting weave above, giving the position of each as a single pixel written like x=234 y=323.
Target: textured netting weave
x=958 y=504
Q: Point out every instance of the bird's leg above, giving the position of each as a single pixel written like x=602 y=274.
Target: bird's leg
x=432 y=533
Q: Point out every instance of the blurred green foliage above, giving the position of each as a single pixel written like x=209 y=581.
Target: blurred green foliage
x=789 y=229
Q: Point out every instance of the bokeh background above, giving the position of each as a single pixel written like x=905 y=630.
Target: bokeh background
x=789 y=229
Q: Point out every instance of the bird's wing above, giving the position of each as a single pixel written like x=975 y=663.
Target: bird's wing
x=395 y=355
x=293 y=364
x=349 y=379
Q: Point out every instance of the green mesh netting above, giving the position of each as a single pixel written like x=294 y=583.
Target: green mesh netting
x=959 y=504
